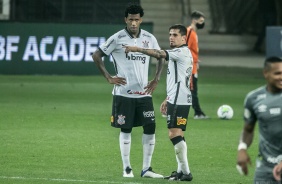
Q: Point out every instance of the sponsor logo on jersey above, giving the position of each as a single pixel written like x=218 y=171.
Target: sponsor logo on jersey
x=149 y=114
x=261 y=96
x=135 y=92
x=262 y=108
x=121 y=36
x=107 y=44
x=189 y=98
x=133 y=57
x=121 y=120
x=145 y=44
x=275 y=111
x=146 y=35
x=181 y=121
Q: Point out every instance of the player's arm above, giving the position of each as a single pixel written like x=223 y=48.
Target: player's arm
x=150 y=52
x=97 y=58
x=153 y=83
x=246 y=140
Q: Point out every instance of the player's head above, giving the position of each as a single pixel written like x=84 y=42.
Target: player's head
x=133 y=18
x=273 y=73
x=198 y=19
x=177 y=35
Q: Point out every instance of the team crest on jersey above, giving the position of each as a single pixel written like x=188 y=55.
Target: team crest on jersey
x=181 y=121
x=121 y=120
x=145 y=44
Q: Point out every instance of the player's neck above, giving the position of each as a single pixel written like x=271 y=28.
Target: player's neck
x=273 y=90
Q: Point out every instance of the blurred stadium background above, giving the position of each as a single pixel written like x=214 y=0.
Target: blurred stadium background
x=228 y=39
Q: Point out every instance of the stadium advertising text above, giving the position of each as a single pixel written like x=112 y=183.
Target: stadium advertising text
x=50 y=48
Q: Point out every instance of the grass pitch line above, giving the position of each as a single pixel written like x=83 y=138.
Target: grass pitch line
x=63 y=179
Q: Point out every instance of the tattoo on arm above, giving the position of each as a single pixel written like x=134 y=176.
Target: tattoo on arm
x=154 y=53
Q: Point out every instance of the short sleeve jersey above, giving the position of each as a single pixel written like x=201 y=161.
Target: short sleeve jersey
x=132 y=66
x=266 y=109
x=179 y=72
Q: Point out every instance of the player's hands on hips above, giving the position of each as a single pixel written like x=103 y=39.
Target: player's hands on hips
x=129 y=49
x=243 y=160
x=277 y=171
x=149 y=89
x=163 y=107
x=116 y=80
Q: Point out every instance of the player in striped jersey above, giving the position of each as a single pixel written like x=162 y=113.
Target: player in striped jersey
x=132 y=100
x=179 y=99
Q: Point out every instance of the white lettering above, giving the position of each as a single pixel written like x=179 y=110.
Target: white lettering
x=31 y=49
x=43 y=43
x=92 y=44
x=60 y=49
x=79 y=42
x=10 y=47
x=2 y=48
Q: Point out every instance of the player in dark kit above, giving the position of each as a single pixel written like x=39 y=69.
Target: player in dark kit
x=132 y=100
x=264 y=105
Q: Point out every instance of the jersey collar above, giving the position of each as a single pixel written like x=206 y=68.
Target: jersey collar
x=184 y=45
x=130 y=35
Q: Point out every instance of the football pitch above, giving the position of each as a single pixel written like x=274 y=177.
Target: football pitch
x=56 y=129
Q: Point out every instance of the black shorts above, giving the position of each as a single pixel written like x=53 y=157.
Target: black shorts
x=177 y=116
x=132 y=112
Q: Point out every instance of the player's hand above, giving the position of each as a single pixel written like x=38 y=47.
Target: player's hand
x=117 y=80
x=243 y=160
x=277 y=171
x=129 y=49
x=163 y=108
x=149 y=89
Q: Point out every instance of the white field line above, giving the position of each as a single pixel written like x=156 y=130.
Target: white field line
x=63 y=179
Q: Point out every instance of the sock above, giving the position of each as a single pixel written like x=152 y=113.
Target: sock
x=181 y=157
x=125 y=143
x=148 y=141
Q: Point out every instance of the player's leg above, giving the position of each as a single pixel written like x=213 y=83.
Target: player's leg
x=122 y=117
x=145 y=115
x=177 y=121
x=198 y=113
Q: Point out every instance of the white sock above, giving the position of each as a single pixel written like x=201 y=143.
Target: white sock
x=181 y=155
x=125 y=143
x=148 y=142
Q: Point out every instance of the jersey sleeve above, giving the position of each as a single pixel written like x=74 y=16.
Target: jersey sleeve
x=108 y=46
x=249 y=113
x=173 y=55
x=155 y=43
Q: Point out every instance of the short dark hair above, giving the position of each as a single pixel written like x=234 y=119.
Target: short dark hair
x=197 y=14
x=270 y=60
x=134 y=8
x=182 y=29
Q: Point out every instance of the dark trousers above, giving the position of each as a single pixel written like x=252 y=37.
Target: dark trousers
x=195 y=99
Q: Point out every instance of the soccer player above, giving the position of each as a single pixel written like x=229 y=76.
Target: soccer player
x=264 y=105
x=198 y=22
x=132 y=100
x=178 y=101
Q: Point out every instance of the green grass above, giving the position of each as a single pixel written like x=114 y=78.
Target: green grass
x=55 y=129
